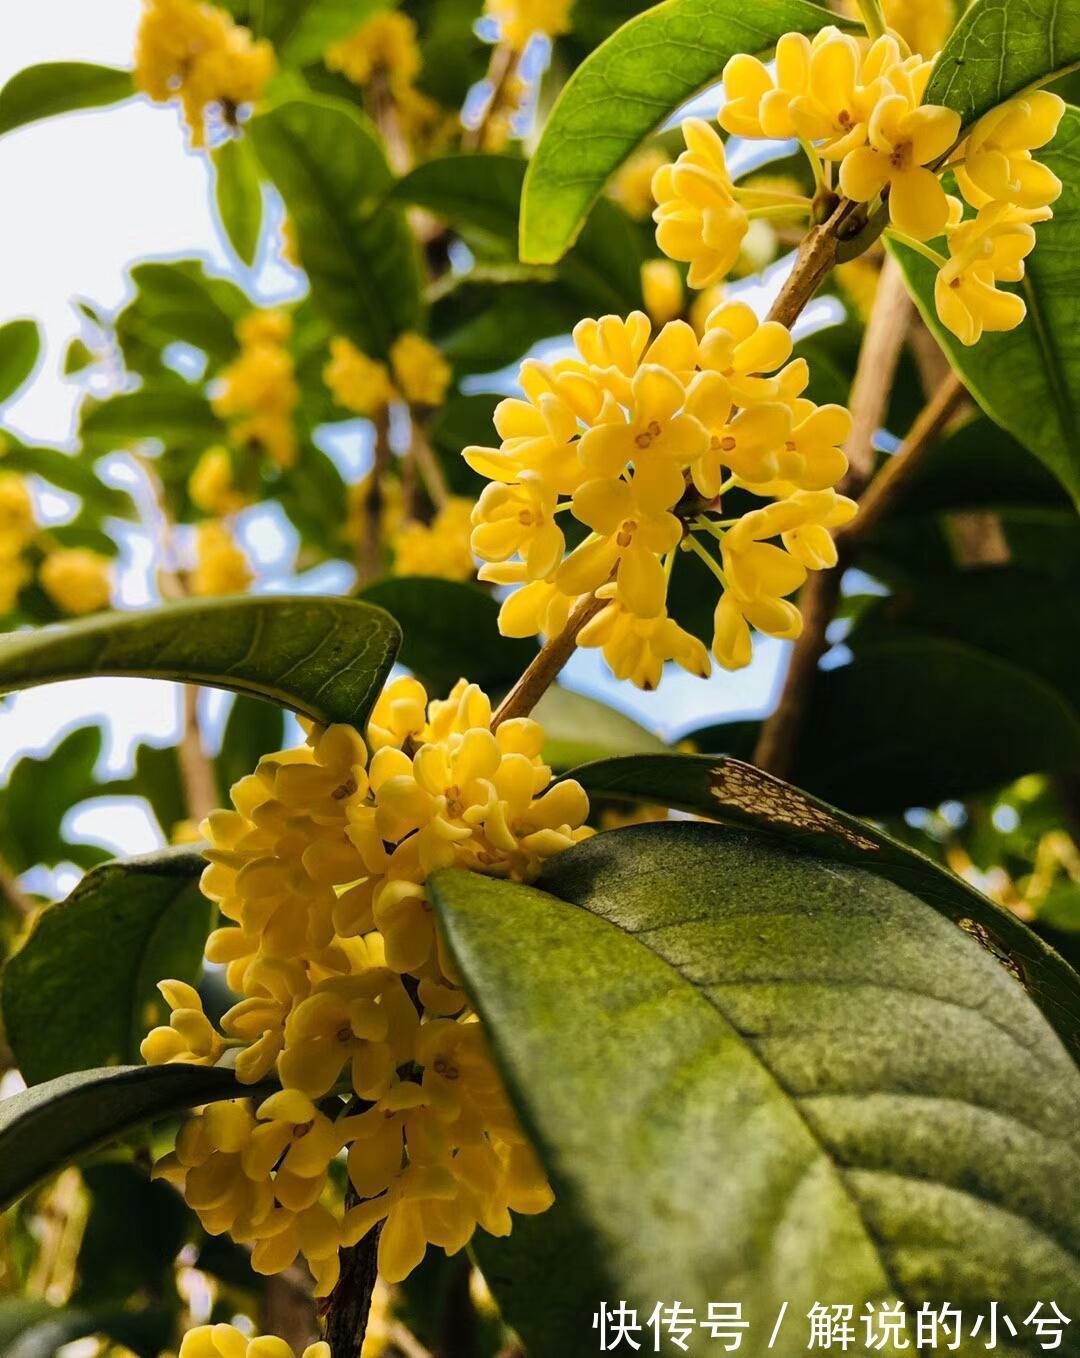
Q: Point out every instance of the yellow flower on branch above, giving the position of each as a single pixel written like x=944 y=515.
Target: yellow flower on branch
x=984 y=251
x=259 y=389
x=442 y=547
x=221 y=565
x=422 y=374
x=77 y=580
x=357 y=382
x=519 y=20
x=996 y=160
x=699 y=220
x=383 y=47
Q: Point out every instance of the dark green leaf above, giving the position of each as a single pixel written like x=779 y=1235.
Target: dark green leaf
x=731 y=1053
x=726 y=789
x=20 y=345
x=238 y=195
x=144 y=1332
x=482 y=193
x=60 y=87
x=158 y=778
x=328 y=164
x=1035 y=368
x=39 y=794
x=252 y=730
x=580 y=729
x=482 y=325
x=179 y=300
x=52 y=1124
x=461 y=422
x=1001 y=47
x=134 y=1230
x=451 y=630
x=626 y=89
x=324 y=658
x=70 y=1004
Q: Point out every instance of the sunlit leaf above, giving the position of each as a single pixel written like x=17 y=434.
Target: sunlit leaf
x=60 y=87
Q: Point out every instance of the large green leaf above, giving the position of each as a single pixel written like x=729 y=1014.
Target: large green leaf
x=33 y=1329
x=328 y=164
x=20 y=345
x=728 y=790
x=324 y=658
x=302 y=30
x=626 y=89
x=252 y=730
x=481 y=195
x=238 y=196
x=135 y=1228
x=486 y=320
x=60 y=87
x=179 y=300
x=451 y=629
x=1028 y=379
x=758 y=1076
x=52 y=1124
x=1001 y=47
x=64 y=1012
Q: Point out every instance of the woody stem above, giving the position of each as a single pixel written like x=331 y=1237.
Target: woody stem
x=541 y=674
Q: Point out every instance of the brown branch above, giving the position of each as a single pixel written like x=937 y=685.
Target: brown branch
x=429 y=467
x=502 y=69
x=778 y=742
x=10 y=891
x=348 y=1305
x=816 y=256
x=541 y=674
x=369 y=554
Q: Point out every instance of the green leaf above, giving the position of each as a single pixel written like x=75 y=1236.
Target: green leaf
x=135 y=1228
x=53 y=1124
x=32 y=1329
x=158 y=778
x=179 y=300
x=63 y=1015
x=328 y=164
x=252 y=730
x=67 y=472
x=627 y=89
x=580 y=729
x=174 y=412
x=238 y=196
x=20 y=346
x=323 y=658
x=481 y=194
x=760 y=1076
x=60 y=87
x=77 y=357
x=739 y=794
x=302 y=30
x=482 y=324
x=1035 y=368
x=1000 y=48
x=459 y=423
x=451 y=629
x=39 y=793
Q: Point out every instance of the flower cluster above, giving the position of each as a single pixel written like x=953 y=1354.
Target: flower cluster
x=226 y=1341
x=856 y=107
x=260 y=392
x=418 y=374
x=194 y=52
x=640 y=437
x=441 y=547
x=221 y=565
x=76 y=579
x=320 y=873
x=520 y=20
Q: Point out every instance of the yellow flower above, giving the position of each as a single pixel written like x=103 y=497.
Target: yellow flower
x=518 y=519
x=835 y=109
x=984 y=251
x=384 y=46
x=997 y=154
x=923 y=24
x=189 y=1038
x=422 y=373
x=226 y=1341
x=77 y=580
x=441 y=548
x=357 y=382
x=221 y=566
x=631 y=187
x=903 y=141
x=699 y=221
x=399 y=714
x=744 y=351
x=632 y=527
x=211 y=485
x=636 y=648
x=259 y=390
x=663 y=291
x=17 y=522
x=757 y=101
x=194 y=52
x=538 y=608
x=518 y=20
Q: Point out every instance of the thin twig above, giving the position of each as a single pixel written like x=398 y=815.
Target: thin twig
x=778 y=742
x=12 y=892
x=369 y=555
x=541 y=674
x=429 y=467
x=502 y=69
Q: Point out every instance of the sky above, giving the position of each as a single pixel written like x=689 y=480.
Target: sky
x=86 y=195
